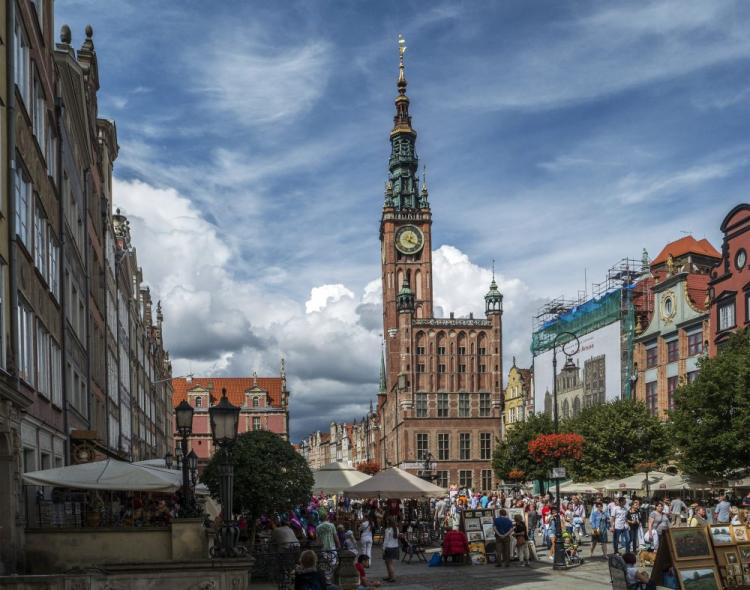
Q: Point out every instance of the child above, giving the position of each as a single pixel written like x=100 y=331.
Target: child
x=363 y=561
x=578 y=527
x=636 y=578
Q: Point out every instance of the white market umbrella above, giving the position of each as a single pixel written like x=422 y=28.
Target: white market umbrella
x=395 y=483
x=577 y=488
x=160 y=465
x=336 y=477
x=681 y=482
x=109 y=474
x=637 y=481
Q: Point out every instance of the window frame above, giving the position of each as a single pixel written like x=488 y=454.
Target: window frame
x=444 y=446
x=673 y=350
x=443 y=405
x=420 y=404
x=485 y=446
x=464 y=405
x=464 y=446
x=485 y=404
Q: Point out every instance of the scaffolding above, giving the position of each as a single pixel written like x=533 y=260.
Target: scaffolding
x=623 y=295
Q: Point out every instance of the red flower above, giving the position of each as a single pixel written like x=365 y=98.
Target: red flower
x=369 y=467
x=556 y=446
x=516 y=474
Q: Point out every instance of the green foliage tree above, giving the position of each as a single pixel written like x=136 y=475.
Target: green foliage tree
x=710 y=422
x=619 y=435
x=513 y=451
x=269 y=476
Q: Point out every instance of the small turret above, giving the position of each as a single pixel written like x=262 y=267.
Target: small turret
x=494 y=299
x=383 y=385
x=405 y=299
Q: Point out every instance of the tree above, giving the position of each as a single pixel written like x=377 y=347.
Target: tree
x=269 y=476
x=619 y=435
x=710 y=423
x=512 y=453
x=370 y=467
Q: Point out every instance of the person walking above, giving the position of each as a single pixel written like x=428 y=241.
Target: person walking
x=599 y=526
x=699 y=518
x=325 y=532
x=658 y=522
x=365 y=538
x=503 y=528
x=390 y=548
x=633 y=520
x=676 y=510
x=522 y=540
x=620 y=527
x=721 y=511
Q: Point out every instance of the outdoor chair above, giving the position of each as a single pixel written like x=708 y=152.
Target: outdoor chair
x=411 y=548
x=617 y=572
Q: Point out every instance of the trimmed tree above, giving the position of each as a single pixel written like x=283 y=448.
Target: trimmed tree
x=619 y=435
x=511 y=455
x=269 y=476
x=710 y=423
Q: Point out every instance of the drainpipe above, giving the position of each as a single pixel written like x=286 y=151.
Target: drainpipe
x=61 y=283
x=11 y=108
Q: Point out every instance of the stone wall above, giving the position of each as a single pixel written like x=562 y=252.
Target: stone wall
x=51 y=551
x=218 y=574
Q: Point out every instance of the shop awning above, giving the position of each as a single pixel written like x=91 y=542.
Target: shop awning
x=636 y=481
x=395 y=483
x=109 y=474
x=577 y=488
x=336 y=477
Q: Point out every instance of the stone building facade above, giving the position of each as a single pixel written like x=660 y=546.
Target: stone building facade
x=519 y=396
x=667 y=349
x=351 y=443
x=730 y=279
x=443 y=388
x=56 y=158
x=263 y=402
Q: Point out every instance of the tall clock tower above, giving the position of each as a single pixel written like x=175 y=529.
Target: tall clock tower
x=405 y=227
x=440 y=396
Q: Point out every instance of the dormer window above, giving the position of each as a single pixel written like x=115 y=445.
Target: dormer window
x=256 y=401
x=199 y=402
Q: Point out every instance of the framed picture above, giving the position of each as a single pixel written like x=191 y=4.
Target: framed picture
x=744 y=551
x=489 y=531
x=721 y=534
x=699 y=578
x=475 y=536
x=691 y=543
x=513 y=511
x=740 y=533
x=470 y=514
x=734 y=569
x=747 y=580
x=731 y=557
x=486 y=520
x=472 y=524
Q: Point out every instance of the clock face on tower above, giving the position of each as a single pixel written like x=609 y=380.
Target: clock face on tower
x=409 y=239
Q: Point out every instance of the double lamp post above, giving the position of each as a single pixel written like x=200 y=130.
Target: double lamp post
x=224 y=418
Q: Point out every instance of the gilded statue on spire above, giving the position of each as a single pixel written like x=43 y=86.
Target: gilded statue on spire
x=401 y=51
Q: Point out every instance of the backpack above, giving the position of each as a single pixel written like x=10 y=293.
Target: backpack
x=309 y=581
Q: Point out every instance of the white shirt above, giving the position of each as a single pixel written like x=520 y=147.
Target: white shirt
x=389 y=540
x=619 y=515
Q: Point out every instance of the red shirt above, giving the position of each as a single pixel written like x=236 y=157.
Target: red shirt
x=545 y=513
x=360 y=571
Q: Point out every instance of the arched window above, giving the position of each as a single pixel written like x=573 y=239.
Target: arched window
x=566 y=409
x=576 y=406
x=256 y=401
x=418 y=284
x=198 y=402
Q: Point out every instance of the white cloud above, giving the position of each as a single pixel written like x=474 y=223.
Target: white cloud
x=258 y=82
x=216 y=323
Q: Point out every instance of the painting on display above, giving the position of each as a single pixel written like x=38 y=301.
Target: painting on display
x=721 y=534
x=699 y=578
x=690 y=543
x=472 y=524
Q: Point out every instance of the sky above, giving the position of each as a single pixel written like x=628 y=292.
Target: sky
x=558 y=138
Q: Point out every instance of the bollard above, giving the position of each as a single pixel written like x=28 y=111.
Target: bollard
x=346 y=575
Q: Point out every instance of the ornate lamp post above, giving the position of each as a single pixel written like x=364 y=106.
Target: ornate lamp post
x=224 y=418
x=569 y=367
x=184 y=419
x=427 y=472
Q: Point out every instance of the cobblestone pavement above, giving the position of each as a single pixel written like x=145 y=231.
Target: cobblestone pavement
x=593 y=574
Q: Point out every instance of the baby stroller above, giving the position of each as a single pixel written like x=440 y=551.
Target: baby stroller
x=570 y=543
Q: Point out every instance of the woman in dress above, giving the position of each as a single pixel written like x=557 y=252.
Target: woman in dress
x=599 y=526
x=391 y=548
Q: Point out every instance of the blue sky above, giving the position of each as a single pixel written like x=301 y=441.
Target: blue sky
x=558 y=138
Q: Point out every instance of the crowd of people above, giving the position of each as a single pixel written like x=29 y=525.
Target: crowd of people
x=525 y=526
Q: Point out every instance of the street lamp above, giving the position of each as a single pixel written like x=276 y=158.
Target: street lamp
x=184 y=420
x=168 y=460
x=428 y=467
x=224 y=418
x=568 y=368
x=192 y=461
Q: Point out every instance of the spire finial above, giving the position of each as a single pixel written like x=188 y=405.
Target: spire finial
x=493 y=269
x=424 y=178
x=382 y=369
x=401 y=51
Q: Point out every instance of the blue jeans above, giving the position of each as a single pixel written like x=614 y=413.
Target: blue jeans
x=621 y=537
x=633 y=544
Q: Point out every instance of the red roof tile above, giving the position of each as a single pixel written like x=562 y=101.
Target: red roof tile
x=697 y=287
x=686 y=245
x=235 y=386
